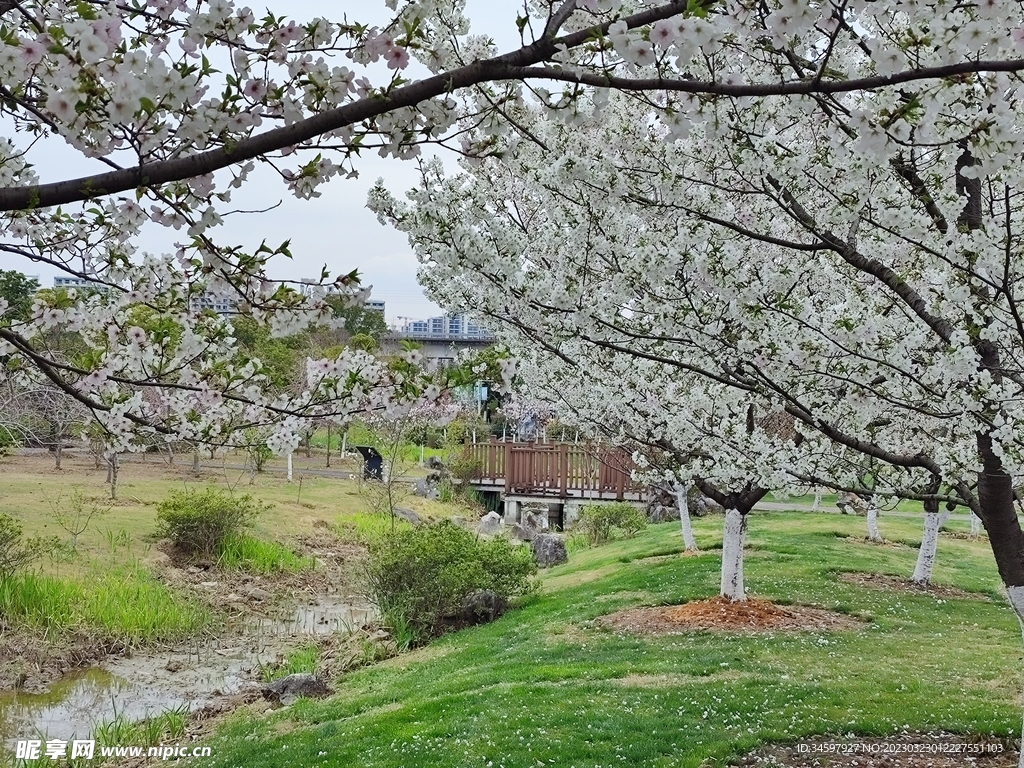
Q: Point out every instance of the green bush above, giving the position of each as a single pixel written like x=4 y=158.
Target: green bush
x=602 y=522
x=419 y=577
x=7 y=442
x=15 y=552
x=465 y=466
x=199 y=522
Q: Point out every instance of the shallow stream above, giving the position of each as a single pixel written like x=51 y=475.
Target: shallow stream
x=149 y=683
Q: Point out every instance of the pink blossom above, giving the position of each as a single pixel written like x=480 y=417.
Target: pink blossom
x=397 y=57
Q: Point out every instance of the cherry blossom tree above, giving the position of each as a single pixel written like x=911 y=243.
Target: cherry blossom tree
x=175 y=102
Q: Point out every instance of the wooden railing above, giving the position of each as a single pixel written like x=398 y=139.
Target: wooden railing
x=554 y=469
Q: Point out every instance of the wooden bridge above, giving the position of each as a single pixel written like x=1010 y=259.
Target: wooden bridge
x=556 y=471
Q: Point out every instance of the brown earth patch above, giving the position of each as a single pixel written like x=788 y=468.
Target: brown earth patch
x=674 y=680
x=901 y=750
x=901 y=584
x=722 y=615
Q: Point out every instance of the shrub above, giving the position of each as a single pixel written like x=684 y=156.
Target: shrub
x=7 y=442
x=199 y=522
x=419 y=577
x=15 y=552
x=602 y=522
x=465 y=467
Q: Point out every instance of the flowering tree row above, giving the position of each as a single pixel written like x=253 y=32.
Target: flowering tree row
x=175 y=102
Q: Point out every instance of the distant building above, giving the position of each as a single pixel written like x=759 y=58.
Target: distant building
x=307 y=284
x=221 y=302
x=79 y=283
x=457 y=326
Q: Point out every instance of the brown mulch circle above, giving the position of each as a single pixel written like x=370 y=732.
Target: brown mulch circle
x=720 y=614
x=901 y=584
x=901 y=750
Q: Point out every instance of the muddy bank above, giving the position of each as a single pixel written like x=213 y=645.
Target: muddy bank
x=65 y=687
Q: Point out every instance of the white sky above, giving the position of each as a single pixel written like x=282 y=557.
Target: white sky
x=335 y=229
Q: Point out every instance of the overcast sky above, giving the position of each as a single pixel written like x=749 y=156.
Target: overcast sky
x=335 y=229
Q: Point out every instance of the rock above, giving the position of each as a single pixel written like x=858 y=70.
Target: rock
x=460 y=521
x=521 y=532
x=421 y=488
x=536 y=519
x=490 y=524
x=258 y=594
x=408 y=515
x=174 y=665
x=482 y=606
x=435 y=463
x=549 y=550
x=301 y=685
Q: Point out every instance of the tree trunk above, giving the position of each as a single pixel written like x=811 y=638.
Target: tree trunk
x=975 y=525
x=309 y=445
x=683 y=503
x=734 y=535
x=873 y=533
x=113 y=464
x=195 y=460
x=328 y=446
x=817 y=499
x=344 y=444
x=933 y=520
x=289 y=466
x=57 y=451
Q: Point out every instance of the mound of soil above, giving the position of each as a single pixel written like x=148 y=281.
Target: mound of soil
x=901 y=584
x=901 y=750
x=720 y=614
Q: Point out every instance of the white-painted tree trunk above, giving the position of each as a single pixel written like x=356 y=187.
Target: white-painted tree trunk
x=975 y=525
x=873 y=533
x=344 y=444
x=682 y=501
x=289 y=466
x=929 y=546
x=734 y=534
x=817 y=499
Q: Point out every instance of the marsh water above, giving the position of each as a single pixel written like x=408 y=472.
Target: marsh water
x=191 y=677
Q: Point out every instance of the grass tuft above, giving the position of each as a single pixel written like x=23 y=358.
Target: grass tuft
x=247 y=553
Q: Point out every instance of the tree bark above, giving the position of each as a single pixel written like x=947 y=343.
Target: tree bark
x=817 y=499
x=733 y=539
x=683 y=503
x=873 y=533
x=57 y=451
x=290 y=466
x=328 y=446
x=975 y=525
x=933 y=521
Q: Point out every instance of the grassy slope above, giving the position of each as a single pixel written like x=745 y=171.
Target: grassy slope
x=544 y=685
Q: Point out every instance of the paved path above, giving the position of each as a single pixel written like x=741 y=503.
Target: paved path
x=831 y=509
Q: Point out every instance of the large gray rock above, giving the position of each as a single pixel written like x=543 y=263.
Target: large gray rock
x=301 y=685
x=408 y=515
x=421 y=488
x=482 y=606
x=520 y=532
x=490 y=524
x=549 y=550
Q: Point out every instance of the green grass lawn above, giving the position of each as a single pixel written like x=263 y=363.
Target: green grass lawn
x=545 y=685
x=32 y=487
